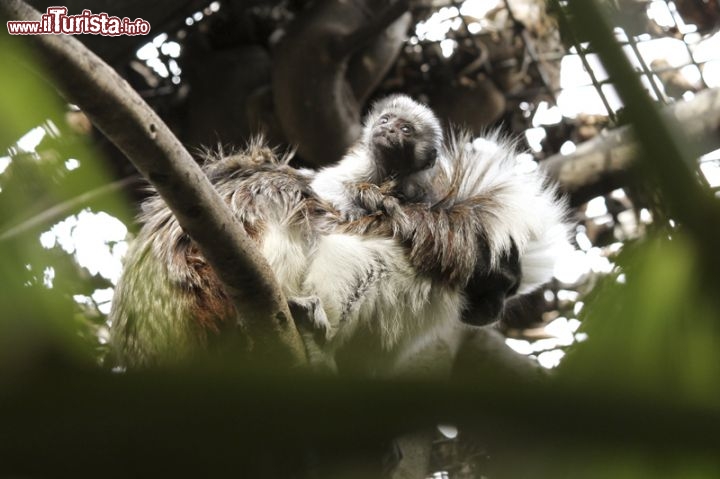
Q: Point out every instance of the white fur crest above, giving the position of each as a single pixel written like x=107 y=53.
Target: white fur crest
x=516 y=204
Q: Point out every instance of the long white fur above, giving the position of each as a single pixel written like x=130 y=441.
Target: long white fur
x=369 y=281
x=525 y=208
x=329 y=183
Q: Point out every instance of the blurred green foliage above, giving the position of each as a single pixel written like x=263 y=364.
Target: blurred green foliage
x=662 y=323
x=39 y=320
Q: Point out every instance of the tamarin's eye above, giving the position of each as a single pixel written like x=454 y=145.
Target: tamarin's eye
x=383 y=120
x=406 y=129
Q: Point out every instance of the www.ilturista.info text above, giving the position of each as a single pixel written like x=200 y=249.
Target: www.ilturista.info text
x=57 y=21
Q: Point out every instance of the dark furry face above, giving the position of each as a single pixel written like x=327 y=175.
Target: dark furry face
x=401 y=144
x=402 y=139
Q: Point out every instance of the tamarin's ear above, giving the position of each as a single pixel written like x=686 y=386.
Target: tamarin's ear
x=429 y=158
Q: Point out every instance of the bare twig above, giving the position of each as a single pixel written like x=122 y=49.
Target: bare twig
x=119 y=112
x=66 y=208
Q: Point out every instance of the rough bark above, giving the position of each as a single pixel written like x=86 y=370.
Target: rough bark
x=119 y=112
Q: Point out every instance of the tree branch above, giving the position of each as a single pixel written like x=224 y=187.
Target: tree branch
x=368 y=67
x=349 y=44
x=602 y=164
x=66 y=208
x=667 y=156
x=311 y=62
x=119 y=112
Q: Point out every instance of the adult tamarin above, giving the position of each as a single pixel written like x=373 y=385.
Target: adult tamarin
x=386 y=281
x=493 y=231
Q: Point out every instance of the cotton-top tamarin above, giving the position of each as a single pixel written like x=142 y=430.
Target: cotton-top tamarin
x=390 y=247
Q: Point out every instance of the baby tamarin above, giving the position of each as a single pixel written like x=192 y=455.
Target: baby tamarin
x=401 y=138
